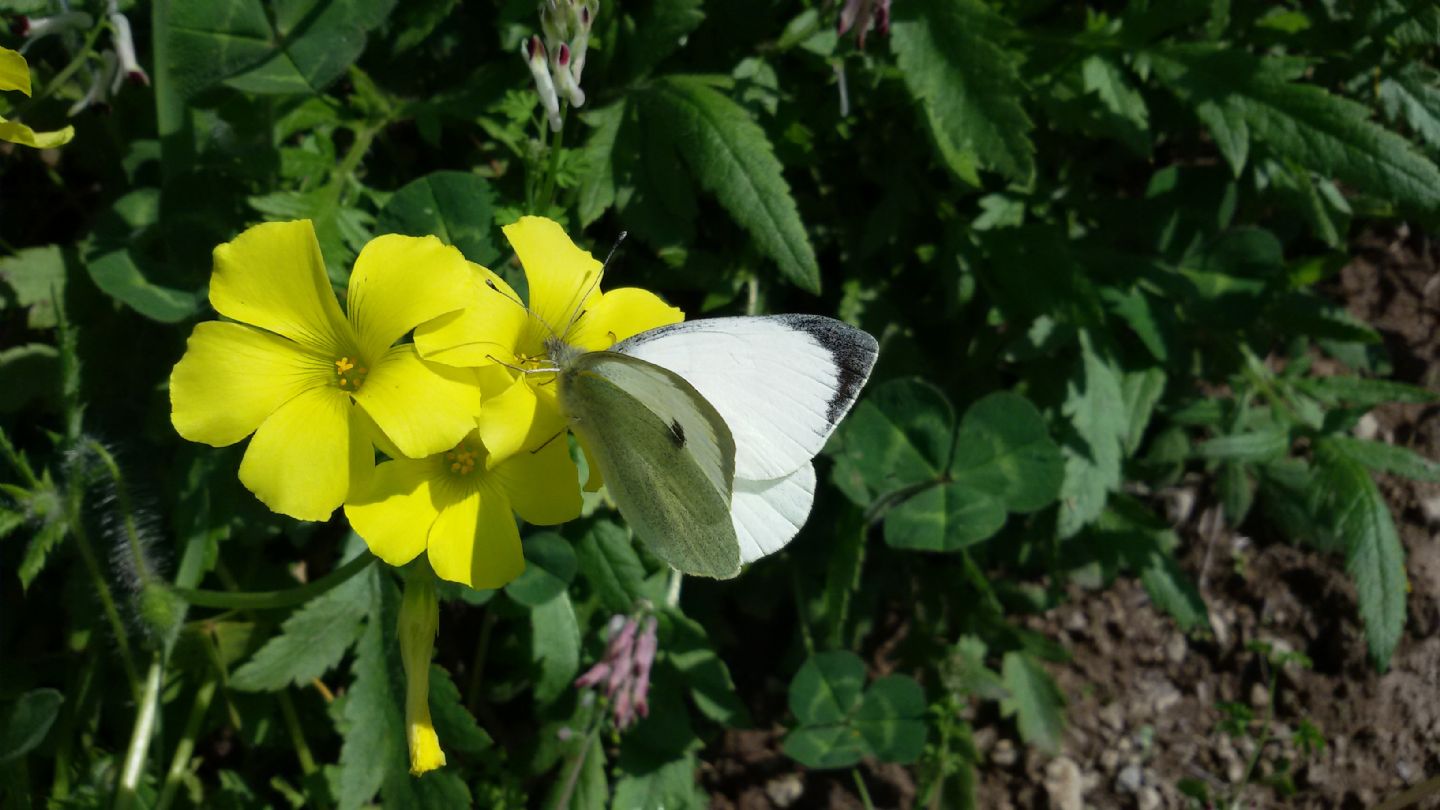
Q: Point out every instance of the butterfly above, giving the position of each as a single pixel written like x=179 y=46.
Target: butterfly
x=704 y=431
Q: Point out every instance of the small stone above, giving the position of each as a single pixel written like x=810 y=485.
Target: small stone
x=984 y=738
x=1112 y=716
x=1004 y=754
x=1259 y=695
x=1166 y=698
x=1064 y=785
x=1176 y=647
x=1149 y=799
x=1405 y=771
x=785 y=790
x=1076 y=622
x=1130 y=778
x=1368 y=427
x=1109 y=760
x=1125 y=745
x=1234 y=770
x=1431 y=507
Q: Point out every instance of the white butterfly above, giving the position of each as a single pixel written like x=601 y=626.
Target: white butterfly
x=704 y=431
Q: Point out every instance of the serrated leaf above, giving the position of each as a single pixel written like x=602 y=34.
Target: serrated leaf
x=555 y=646
x=1299 y=121
x=1095 y=407
x=549 y=567
x=1363 y=393
x=457 y=207
x=1387 y=458
x=27 y=721
x=45 y=540
x=1146 y=545
x=1413 y=96
x=1141 y=391
x=311 y=641
x=597 y=183
x=951 y=55
x=661 y=29
x=1035 y=701
x=731 y=158
x=1107 y=80
x=1356 y=514
x=454 y=725
x=1004 y=449
x=608 y=560
x=1253 y=446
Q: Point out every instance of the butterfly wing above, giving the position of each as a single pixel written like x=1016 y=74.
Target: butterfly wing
x=768 y=514
x=667 y=457
x=781 y=382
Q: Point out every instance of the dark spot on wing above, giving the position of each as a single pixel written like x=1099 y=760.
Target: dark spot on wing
x=853 y=350
x=677 y=433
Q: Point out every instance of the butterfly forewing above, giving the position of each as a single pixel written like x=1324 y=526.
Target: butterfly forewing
x=666 y=455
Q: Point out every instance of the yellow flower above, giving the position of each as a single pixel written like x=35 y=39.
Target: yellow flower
x=315 y=387
x=15 y=75
x=457 y=506
x=499 y=335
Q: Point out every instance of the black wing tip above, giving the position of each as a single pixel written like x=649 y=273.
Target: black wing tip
x=854 y=350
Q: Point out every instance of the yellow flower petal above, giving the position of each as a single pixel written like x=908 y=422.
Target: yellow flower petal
x=520 y=419
x=272 y=276
x=563 y=278
x=16 y=132
x=14 y=71
x=619 y=314
x=544 y=485
x=487 y=331
x=416 y=626
x=304 y=456
x=394 y=512
x=232 y=377
x=475 y=542
x=400 y=282
x=424 y=408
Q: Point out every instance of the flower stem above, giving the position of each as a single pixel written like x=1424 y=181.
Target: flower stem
x=552 y=169
x=107 y=600
x=140 y=738
x=270 y=600
x=860 y=786
x=86 y=51
x=477 y=669
x=297 y=733
x=186 y=746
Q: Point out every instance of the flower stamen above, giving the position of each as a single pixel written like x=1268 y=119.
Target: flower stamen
x=350 y=374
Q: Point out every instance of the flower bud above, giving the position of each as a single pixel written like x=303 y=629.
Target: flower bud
x=581 y=43
x=534 y=54
x=419 y=621
x=564 y=80
x=98 y=94
x=33 y=28
x=125 y=49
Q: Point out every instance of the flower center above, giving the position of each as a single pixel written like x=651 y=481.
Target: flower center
x=350 y=374
x=462 y=460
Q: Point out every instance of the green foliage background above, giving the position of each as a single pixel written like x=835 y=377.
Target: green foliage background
x=1088 y=236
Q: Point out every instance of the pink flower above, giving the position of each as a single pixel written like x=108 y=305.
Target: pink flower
x=864 y=15
x=624 y=670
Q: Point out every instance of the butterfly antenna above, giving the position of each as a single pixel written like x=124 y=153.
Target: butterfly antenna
x=605 y=265
x=517 y=302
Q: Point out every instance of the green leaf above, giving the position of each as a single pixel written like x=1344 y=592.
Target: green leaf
x=1004 y=449
x=311 y=640
x=309 y=44
x=36 y=275
x=1107 y=80
x=660 y=30
x=689 y=650
x=828 y=746
x=45 y=540
x=827 y=687
x=1412 y=96
x=455 y=726
x=120 y=277
x=1387 y=458
x=891 y=718
x=897 y=436
x=1034 y=700
x=945 y=517
x=31 y=372
x=27 y=721
x=597 y=183
x=730 y=156
x=1363 y=393
x=1146 y=544
x=555 y=647
x=1256 y=446
x=1356 y=514
x=669 y=787
x=1141 y=391
x=608 y=560
x=1302 y=122
x=549 y=567
x=1095 y=406
x=457 y=207
x=951 y=55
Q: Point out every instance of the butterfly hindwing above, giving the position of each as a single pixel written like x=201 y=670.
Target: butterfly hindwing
x=666 y=455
